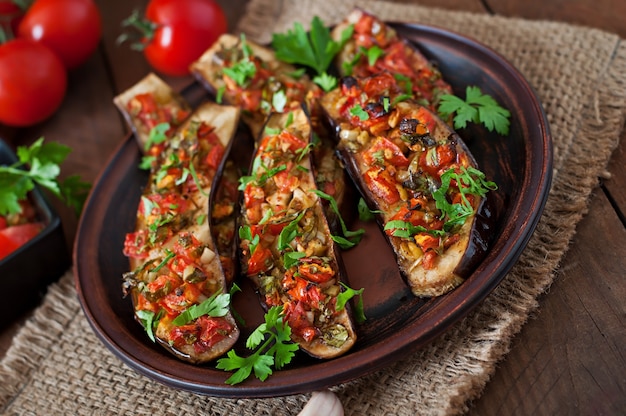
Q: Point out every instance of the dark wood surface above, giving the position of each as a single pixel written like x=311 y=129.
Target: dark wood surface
x=568 y=359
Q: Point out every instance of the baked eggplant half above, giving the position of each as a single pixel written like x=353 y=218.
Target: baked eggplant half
x=286 y=246
x=150 y=102
x=418 y=174
x=247 y=75
x=176 y=282
x=376 y=47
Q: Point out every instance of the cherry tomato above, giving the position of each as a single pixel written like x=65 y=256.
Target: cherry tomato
x=33 y=82
x=184 y=30
x=11 y=238
x=71 y=28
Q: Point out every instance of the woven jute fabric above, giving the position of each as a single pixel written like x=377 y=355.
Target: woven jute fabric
x=57 y=366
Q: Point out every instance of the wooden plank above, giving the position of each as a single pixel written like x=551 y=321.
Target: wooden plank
x=569 y=358
x=609 y=15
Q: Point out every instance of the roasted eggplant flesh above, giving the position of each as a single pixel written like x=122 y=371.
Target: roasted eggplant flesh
x=286 y=245
x=413 y=169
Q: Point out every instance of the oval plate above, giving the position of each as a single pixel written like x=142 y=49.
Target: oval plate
x=397 y=322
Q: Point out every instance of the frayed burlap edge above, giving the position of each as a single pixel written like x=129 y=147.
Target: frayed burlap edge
x=32 y=344
x=457 y=365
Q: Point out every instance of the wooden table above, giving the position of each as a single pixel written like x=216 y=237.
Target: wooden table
x=569 y=355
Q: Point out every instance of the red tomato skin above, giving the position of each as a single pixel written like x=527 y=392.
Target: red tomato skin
x=11 y=238
x=10 y=16
x=7 y=246
x=187 y=29
x=71 y=28
x=33 y=82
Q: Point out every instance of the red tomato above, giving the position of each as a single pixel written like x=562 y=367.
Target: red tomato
x=17 y=235
x=33 y=82
x=7 y=246
x=71 y=28
x=185 y=29
x=10 y=16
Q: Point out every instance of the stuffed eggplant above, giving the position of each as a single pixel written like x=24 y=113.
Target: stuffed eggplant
x=249 y=76
x=176 y=282
x=151 y=102
x=286 y=245
x=414 y=170
x=375 y=47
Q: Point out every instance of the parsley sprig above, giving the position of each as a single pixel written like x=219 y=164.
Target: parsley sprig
x=476 y=108
x=349 y=238
x=271 y=342
x=315 y=49
x=38 y=164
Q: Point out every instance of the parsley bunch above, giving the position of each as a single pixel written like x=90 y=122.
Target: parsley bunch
x=38 y=164
x=476 y=108
x=315 y=49
x=273 y=348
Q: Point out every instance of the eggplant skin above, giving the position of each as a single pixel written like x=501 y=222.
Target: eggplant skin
x=279 y=200
x=459 y=252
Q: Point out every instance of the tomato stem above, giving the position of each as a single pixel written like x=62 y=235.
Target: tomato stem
x=145 y=27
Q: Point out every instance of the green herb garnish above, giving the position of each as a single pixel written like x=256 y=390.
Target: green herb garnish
x=315 y=49
x=476 y=108
x=217 y=305
x=273 y=347
x=42 y=160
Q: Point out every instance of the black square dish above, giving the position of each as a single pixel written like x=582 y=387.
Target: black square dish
x=26 y=273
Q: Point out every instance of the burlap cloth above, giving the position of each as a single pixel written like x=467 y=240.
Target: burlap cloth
x=56 y=365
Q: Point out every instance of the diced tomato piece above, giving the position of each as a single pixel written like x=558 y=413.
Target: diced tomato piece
x=3 y=223
x=143 y=304
x=380 y=85
x=214 y=157
x=163 y=285
x=212 y=330
x=290 y=141
x=429 y=260
x=295 y=315
x=315 y=270
x=427 y=241
x=426 y=117
x=386 y=149
x=259 y=261
x=382 y=185
x=285 y=180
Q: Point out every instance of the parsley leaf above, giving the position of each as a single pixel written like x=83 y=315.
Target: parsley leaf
x=359 y=112
x=476 y=108
x=315 y=49
x=327 y=82
x=42 y=161
x=350 y=238
x=244 y=69
x=216 y=305
x=273 y=347
x=348 y=294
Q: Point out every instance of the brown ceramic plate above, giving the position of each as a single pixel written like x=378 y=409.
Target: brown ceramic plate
x=397 y=323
